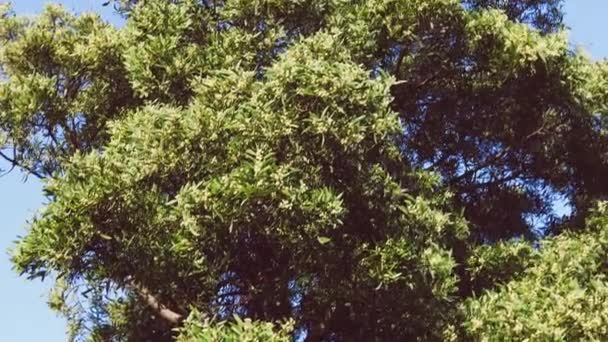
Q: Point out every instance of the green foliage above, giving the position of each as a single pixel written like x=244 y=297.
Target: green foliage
x=562 y=296
x=306 y=162
x=200 y=329
x=66 y=79
x=494 y=265
x=367 y=170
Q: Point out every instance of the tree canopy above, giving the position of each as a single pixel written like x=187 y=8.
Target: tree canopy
x=327 y=170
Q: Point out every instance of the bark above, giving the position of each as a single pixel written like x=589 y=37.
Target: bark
x=163 y=311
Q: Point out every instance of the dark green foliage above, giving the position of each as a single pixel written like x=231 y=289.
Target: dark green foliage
x=334 y=170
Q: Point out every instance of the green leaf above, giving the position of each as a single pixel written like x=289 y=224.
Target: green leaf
x=323 y=240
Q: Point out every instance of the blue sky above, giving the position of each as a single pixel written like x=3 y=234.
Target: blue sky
x=587 y=20
x=25 y=316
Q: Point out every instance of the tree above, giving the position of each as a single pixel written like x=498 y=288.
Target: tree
x=257 y=170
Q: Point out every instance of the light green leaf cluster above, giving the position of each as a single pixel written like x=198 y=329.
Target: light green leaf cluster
x=65 y=80
x=199 y=329
x=518 y=45
x=163 y=53
x=493 y=265
x=563 y=295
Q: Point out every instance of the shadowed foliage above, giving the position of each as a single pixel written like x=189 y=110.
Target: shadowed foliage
x=328 y=170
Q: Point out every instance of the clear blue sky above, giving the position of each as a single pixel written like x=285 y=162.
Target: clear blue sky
x=25 y=316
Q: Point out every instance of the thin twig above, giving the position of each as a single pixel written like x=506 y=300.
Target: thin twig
x=26 y=168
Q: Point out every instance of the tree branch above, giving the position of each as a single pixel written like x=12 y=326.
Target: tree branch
x=489 y=161
x=164 y=312
x=14 y=163
x=400 y=61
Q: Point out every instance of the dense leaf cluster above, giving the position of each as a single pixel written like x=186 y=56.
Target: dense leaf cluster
x=321 y=169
